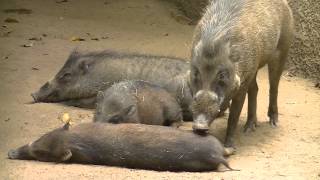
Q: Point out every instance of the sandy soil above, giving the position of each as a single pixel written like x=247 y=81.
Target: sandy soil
x=291 y=151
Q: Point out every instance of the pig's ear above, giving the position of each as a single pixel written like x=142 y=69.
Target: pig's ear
x=66 y=155
x=85 y=65
x=129 y=111
x=66 y=126
x=237 y=81
x=227 y=47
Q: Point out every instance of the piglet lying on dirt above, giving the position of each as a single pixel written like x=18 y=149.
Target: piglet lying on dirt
x=138 y=102
x=128 y=145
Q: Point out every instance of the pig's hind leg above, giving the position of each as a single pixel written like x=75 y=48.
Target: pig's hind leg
x=251 y=123
x=173 y=116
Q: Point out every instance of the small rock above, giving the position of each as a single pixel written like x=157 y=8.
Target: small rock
x=5 y=57
x=44 y=35
x=35 y=68
x=27 y=45
x=11 y=20
x=166 y=34
x=8 y=119
x=4 y=26
x=317 y=85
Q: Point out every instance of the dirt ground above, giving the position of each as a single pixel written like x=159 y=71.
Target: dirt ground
x=291 y=151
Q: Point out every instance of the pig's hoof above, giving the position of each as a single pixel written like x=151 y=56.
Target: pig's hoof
x=228 y=151
x=273 y=122
x=250 y=126
x=176 y=124
x=221 y=114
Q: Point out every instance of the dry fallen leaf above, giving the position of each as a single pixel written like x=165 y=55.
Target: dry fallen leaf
x=11 y=20
x=77 y=39
x=66 y=118
x=61 y=1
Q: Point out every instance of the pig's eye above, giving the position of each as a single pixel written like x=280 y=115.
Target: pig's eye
x=65 y=77
x=115 y=119
x=196 y=75
x=223 y=75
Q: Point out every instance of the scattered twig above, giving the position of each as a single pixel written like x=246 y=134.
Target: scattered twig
x=95 y=39
x=18 y=11
x=61 y=1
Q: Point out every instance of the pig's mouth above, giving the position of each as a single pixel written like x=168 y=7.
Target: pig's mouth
x=200 y=124
x=49 y=97
x=54 y=98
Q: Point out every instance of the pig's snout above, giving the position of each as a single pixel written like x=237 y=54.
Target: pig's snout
x=13 y=154
x=200 y=124
x=45 y=94
x=20 y=153
x=35 y=97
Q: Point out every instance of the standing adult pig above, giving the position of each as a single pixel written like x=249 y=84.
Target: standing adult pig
x=232 y=41
x=137 y=102
x=84 y=74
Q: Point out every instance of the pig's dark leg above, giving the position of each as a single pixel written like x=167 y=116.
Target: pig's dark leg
x=251 y=123
x=275 y=68
x=235 y=110
x=173 y=116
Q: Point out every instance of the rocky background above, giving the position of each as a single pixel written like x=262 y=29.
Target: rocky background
x=304 y=58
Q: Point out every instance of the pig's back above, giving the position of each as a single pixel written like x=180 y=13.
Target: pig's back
x=150 y=147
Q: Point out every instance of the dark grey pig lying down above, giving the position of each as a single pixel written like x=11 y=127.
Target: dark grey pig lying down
x=84 y=74
x=138 y=102
x=128 y=145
